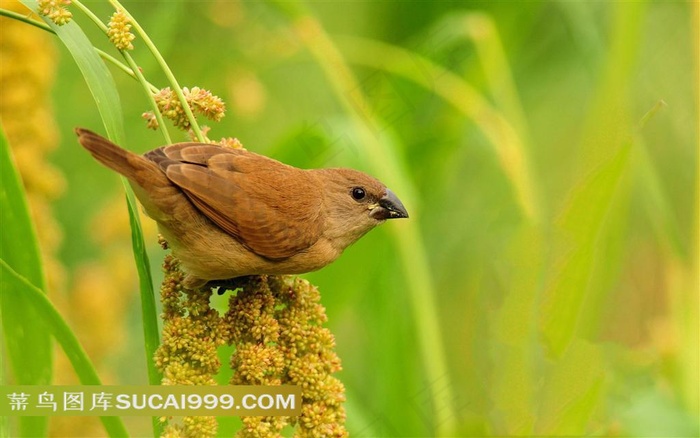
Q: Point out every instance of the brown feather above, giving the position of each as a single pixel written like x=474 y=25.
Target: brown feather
x=240 y=192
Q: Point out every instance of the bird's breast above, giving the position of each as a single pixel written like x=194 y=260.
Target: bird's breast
x=212 y=254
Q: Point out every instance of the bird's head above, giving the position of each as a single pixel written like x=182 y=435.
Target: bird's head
x=355 y=203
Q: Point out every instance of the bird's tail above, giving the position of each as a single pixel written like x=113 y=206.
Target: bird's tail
x=133 y=166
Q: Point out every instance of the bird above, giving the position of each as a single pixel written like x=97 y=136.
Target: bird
x=229 y=213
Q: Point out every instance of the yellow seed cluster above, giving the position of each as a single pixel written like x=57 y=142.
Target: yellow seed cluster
x=231 y=142
x=201 y=101
x=192 y=331
x=276 y=325
x=56 y=10
x=119 y=31
x=191 y=427
x=151 y=121
x=227 y=142
x=310 y=358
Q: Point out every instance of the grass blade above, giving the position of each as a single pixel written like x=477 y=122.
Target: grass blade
x=581 y=223
x=506 y=140
x=57 y=326
x=20 y=249
x=148 y=300
x=567 y=403
x=104 y=91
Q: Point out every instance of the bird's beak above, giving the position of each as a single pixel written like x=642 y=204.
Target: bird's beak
x=389 y=207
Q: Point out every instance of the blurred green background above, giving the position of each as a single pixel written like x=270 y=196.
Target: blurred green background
x=547 y=280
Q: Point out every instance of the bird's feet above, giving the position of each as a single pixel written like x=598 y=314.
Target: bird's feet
x=229 y=284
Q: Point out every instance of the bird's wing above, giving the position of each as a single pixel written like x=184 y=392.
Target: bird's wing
x=271 y=208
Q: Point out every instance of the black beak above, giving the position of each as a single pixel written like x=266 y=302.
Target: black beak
x=390 y=207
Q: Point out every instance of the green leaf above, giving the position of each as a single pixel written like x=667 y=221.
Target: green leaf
x=148 y=300
x=579 y=244
x=46 y=312
x=572 y=391
x=577 y=247
x=104 y=91
x=21 y=325
x=512 y=347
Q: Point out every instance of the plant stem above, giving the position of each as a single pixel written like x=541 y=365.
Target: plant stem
x=104 y=55
x=144 y=83
x=148 y=307
x=123 y=67
x=25 y=19
x=168 y=73
x=91 y=15
x=136 y=73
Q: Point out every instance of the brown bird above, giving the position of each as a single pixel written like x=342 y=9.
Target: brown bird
x=229 y=212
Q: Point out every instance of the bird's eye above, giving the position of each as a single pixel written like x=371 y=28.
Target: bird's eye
x=358 y=193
